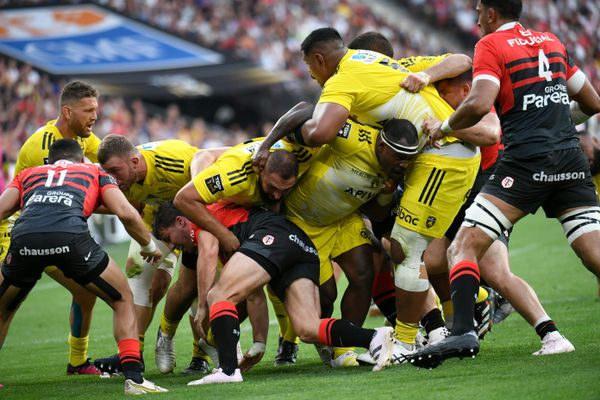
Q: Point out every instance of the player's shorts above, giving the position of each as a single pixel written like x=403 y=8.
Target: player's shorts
x=78 y=256
x=482 y=177
x=334 y=240
x=284 y=251
x=435 y=189
x=6 y=226
x=555 y=181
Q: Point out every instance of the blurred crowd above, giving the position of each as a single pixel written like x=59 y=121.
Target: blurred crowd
x=268 y=32
x=575 y=22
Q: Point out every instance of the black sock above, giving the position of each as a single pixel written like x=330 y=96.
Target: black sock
x=464 y=285
x=433 y=320
x=342 y=333
x=226 y=330
x=132 y=370
x=543 y=328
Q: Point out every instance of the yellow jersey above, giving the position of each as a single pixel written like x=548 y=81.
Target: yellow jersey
x=343 y=176
x=34 y=151
x=167 y=171
x=366 y=83
x=231 y=177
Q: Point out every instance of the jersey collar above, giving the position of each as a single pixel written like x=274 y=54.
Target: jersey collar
x=507 y=26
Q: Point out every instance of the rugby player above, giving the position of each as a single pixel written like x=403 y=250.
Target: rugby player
x=273 y=251
x=56 y=200
x=78 y=106
x=531 y=78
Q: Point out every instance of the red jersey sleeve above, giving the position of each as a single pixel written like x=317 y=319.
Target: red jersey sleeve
x=487 y=62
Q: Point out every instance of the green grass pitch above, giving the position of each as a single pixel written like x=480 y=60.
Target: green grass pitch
x=33 y=360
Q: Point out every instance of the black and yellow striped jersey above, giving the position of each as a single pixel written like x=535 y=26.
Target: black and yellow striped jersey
x=34 y=151
x=231 y=177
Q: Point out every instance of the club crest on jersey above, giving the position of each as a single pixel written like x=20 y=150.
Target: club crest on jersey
x=214 y=184
x=507 y=182
x=345 y=131
x=430 y=221
x=268 y=240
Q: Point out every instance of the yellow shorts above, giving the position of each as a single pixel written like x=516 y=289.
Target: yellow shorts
x=334 y=240
x=435 y=189
x=5 y=228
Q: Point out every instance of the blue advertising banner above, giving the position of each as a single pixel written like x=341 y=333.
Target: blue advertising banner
x=86 y=39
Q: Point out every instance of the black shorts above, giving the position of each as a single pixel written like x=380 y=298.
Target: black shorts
x=284 y=251
x=78 y=256
x=555 y=181
x=480 y=180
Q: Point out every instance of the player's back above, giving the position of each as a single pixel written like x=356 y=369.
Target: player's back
x=59 y=197
x=168 y=170
x=367 y=84
x=533 y=70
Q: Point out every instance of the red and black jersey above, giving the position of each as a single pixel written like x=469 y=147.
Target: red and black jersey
x=533 y=70
x=59 y=197
x=491 y=154
x=241 y=221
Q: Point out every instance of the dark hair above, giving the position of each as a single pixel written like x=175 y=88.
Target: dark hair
x=373 y=41
x=65 y=149
x=284 y=163
x=76 y=90
x=508 y=9
x=165 y=217
x=401 y=133
x=465 y=77
x=114 y=145
x=320 y=35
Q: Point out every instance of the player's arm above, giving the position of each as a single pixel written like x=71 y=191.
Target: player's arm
x=206 y=271
x=117 y=204
x=259 y=319
x=289 y=124
x=324 y=125
x=586 y=101
x=484 y=133
x=448 y=67
x=478 y=103
x=204 y=158
x=189 y=202
x=10 y=202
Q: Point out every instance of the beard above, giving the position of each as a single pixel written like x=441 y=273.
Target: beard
x=267 y=201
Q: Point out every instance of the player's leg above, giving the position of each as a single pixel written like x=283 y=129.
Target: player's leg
x=302 y=303
x=108 y=282
x=495 y=269
x=80 y=320
x=12 y=295
x=484 y=222
x=179 y=299
x=240 y=276
x=148 y=282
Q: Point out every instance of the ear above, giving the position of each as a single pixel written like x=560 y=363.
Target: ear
x=491 y=15
x=135 y=161
x=320 y=59
x=66 y=112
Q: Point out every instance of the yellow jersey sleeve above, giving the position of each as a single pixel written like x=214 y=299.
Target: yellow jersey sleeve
x=420 y=63
x=231 y=177
x=90 y=147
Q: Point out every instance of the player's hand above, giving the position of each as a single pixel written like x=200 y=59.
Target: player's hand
x=432 y=128
x=152 y=257
x=228 y=246
x=259 y=159
x=415 y=81
x=199 y=318
x=252 y=356
x=389 y=186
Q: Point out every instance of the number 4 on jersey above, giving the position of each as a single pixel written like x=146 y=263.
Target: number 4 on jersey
x=544 y=66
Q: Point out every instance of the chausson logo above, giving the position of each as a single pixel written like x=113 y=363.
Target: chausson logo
x=563 y=176
x=26 y=251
